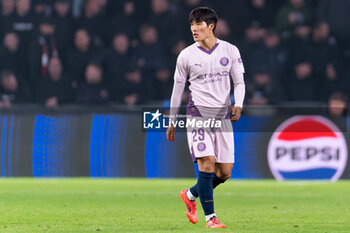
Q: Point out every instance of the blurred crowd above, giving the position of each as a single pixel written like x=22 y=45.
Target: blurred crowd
x=56 y=52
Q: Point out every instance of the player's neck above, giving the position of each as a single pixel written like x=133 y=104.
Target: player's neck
x=208 y=43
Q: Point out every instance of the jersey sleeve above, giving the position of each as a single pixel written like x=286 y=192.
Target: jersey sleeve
x=237 y=63
x=181 y=70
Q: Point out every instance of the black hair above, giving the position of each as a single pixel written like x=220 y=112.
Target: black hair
x=338 y=96
x=204 y=14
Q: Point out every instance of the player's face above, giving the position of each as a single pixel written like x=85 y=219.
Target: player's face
x=200 y=30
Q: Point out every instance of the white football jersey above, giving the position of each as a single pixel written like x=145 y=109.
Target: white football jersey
x=209 y=72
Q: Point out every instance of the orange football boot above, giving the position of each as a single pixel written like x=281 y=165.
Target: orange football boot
x=214 y=223
x=191 y=210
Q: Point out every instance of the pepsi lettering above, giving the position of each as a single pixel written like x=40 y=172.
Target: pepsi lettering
x=306 y=153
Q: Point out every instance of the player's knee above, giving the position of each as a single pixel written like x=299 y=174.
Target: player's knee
x=224 y=177
x=207 y=168
x=206 y=164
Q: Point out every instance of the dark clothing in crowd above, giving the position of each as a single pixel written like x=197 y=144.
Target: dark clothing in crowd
x=336 y=13
x=14 y=61
x=60 y=89
x=76 y=62
x=23 y=25
x=63 y=34
x=19 y=96
x=305 y=89
x=93 y=94
x=108 y=59
x=41 y=49
x=265 y=15
x=155 y=33
x=275 y=62
x=96 y=28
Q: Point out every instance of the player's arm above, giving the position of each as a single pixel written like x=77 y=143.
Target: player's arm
x=175 y=104
x=180 y=78
x=239 y=93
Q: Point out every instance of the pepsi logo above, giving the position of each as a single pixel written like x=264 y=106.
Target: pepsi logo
x=307 y=147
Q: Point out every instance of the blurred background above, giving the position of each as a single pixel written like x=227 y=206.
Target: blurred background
x=74 y=75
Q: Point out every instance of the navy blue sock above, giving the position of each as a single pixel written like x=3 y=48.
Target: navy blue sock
x=216 y=182
x=205 y=191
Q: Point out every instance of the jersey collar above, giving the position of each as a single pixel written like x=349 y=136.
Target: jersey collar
x=208 y=51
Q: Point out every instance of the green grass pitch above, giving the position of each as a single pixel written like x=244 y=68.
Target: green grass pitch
x=140 y=205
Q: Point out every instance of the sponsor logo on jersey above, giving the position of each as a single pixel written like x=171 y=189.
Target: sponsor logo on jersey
x=214 y=75
x=307 y=147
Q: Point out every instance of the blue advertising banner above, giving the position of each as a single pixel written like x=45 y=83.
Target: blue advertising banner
x=113 y=144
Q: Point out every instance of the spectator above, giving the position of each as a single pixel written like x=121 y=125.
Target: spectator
x=7 y=7
x=337 y=105
x=41 y=49
x=119 y=53
x=22 y=22
x=176 y=50
x=42 y=8
x=254 y=35
x=325 y=48
x=80 y=56
x=302 y=85
x=7 y=10
x=296 y=12
x=133 y=89
x=332 y=81
x=336 y=14
x=56 y=88
x=237 y=14
x=161 y=17
x=259 y=90
x=93 y=90
x=301 y=43
x=148 y=55
x=162 y=83
x=261 y=11
x=92 y=20
x=270 y=57
x=12 y=56
x=223 y=30
x=63 y=30
x=12 y=92
x=128 y=14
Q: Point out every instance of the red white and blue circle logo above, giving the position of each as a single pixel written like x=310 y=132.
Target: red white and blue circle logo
x=307 y=147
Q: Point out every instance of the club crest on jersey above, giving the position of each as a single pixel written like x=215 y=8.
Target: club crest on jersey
x=307 y=147
x=224 y=61
x=201 y=146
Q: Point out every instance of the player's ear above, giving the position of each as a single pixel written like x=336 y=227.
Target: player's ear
x=211 y=26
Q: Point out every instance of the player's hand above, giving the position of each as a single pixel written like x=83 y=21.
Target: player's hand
x=170 y=133
x=236 y=113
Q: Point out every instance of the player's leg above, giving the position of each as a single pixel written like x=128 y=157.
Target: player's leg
x=222 y=173
x=203 y=189
x=224 y=146
x=200 y=146
x=206 y=167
